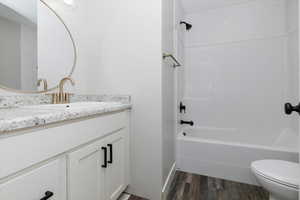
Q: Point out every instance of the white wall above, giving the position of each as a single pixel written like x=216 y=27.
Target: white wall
x=123 y=43
x=23 y=15
x=10 y=53
x=179 y=45
x=28 y=48
x=84 y=26
x=127 y=60
x=237 y=75
x=179 y=15
x=192 y=6
x=55 y=48
x=293 y=56
x=119 y=52
x=168 y=90
x=18 y=51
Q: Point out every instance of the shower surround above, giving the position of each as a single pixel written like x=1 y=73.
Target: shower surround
x=241 y=67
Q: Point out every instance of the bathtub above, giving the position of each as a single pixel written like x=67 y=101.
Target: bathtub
x=228 y=155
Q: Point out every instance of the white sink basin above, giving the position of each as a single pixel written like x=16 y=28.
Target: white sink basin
x=79 y=105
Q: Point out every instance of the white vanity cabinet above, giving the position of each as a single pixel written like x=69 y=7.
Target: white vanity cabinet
x=97 y=171
x=115 y=172
x=85 y=173
x=87 y=159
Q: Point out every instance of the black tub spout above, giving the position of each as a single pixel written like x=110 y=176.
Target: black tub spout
x=191 y=123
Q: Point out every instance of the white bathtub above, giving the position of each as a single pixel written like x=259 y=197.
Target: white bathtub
x=228 y=155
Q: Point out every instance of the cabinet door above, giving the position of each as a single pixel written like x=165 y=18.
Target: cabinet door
x=115 y=173
x=33 y=185
x=85 y=173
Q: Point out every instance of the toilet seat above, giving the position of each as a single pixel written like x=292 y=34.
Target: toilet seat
x=278 y=171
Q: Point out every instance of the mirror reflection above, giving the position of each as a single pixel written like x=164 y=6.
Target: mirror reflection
x=33 y=57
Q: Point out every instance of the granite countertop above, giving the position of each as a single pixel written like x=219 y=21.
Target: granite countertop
x=30 y=116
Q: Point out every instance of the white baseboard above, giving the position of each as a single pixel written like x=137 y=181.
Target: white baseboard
x=169 y=180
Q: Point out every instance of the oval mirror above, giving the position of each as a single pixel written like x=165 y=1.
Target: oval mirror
x=37 y=49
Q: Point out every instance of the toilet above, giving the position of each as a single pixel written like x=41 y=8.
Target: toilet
x=279 y=178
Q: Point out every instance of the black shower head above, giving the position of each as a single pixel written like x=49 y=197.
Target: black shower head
x=187 y=25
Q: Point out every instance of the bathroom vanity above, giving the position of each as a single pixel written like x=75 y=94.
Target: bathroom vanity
x=58 y=152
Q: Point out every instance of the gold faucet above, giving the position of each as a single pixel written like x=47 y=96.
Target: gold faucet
x=62 y=97
x=44 y=81
x=62 y=83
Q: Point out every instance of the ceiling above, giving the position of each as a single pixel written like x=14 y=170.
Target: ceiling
x=193 y=6
x=10 y=14
x=27 y=9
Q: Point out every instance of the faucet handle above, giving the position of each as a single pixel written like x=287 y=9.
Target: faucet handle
x=60 y=98
x=62 y=83
x=67 y=97
x=54 y=97
x=44 y=81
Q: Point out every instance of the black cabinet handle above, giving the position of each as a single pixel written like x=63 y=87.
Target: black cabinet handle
x=48 y=195
x=105 y=157
x=111 y=153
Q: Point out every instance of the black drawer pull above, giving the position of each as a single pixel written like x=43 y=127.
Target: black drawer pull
x=111 y=153
x=48 y=195
x=105 y=157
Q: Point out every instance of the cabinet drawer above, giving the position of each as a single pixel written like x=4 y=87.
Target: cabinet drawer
x=34 y=184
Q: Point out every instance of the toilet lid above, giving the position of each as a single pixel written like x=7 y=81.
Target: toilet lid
x=280 y=171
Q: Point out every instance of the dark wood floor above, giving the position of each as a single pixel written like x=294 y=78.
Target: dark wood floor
x=136 y=198
x=194 y=187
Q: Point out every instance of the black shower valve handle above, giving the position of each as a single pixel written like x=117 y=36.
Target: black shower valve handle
x=182 y=108
x=48 y=195
x=289 y=108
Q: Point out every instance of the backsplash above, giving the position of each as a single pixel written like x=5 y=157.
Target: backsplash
x=11 y=101
x=103 y=98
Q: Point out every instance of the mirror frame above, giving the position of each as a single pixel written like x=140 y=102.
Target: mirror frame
x=73 y=65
